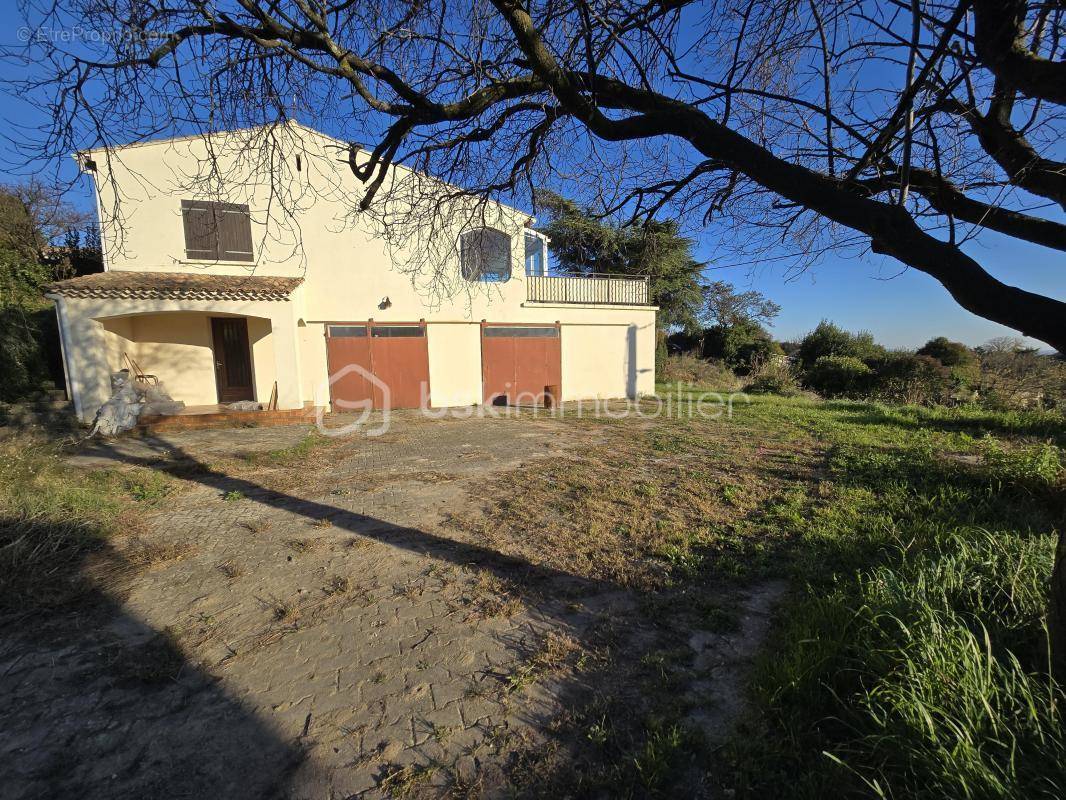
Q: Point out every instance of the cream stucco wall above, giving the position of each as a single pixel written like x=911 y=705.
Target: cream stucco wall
x=606 y=361
x=454 y=364
x=312 y=347
x=348 y=270
x=118 y=339
x=176 y=348
x=264 y=370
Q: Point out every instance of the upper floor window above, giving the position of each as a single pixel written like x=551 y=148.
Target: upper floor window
x=485 y=254
x=536 y=256
x=216 y=231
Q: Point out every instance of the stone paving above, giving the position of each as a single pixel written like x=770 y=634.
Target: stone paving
x=327 y=639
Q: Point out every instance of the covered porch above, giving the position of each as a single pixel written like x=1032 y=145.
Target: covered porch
x=205 y=359
x=211 y=340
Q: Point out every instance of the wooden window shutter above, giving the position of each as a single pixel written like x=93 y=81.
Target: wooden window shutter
x=234 y=232
x=201 y=237
x=221 y=231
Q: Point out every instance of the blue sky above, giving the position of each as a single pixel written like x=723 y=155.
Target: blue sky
x=901 y=308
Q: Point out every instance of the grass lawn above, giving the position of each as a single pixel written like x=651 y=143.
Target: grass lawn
x=912 y=659
x=909 y=658
x=907 y=550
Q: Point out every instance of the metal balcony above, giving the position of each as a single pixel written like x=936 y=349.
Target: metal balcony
x=591 y=290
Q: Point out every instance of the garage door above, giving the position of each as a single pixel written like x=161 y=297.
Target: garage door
x=364 y=358
x=518 y=361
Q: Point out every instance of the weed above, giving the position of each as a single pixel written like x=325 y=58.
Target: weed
x=552 y=653
x=142 y=553
x=598 y=732
x=716 y=618
x=231 y=569
x=287 y=611
x=663 y=749
x=148 y=486
x=303 y=546
x=441 y=733
x=338 y=584
x=403 y=782
x=232 y=495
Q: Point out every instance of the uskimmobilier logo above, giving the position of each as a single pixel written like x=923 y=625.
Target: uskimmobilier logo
x=365 y=407
x=374 y=410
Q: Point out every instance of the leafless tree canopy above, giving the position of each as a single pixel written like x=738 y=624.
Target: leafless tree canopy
x=902 y=126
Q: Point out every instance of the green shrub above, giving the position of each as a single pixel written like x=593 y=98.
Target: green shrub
x=911 y=379
x=1032 y=468
x=947 y=352
x=25 y=336
x=829 y=340
x=774 y=376
x=687 y=368
x=740 y=345
x=839 y=376
x=962 y=362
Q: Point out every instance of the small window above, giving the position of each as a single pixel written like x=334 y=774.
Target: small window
x=535 y=259
x=396 y=330
x=486 y=255
x=342 y=331
x=216 y=231
x=515 y=332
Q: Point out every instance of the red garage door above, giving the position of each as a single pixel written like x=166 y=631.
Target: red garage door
x=518 y=361
x=364 y=358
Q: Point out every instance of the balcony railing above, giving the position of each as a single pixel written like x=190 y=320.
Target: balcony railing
x=588 y=290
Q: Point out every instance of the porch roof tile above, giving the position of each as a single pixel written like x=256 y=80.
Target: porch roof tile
x=176 y=286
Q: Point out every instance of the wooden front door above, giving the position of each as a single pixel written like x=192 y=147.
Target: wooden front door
x=233 y=359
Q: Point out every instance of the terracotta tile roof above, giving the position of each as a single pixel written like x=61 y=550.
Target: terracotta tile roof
x=175 y=286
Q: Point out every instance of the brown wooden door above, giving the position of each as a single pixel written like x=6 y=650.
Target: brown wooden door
x=518 y=361
x=348 y=346
x=233 y=359
x=395 y=355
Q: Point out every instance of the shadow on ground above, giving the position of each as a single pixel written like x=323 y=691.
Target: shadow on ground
x=125 y=702
x=122 y=705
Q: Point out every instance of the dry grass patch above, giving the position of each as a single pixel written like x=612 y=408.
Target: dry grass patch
x=338 y=584
x=231 y=569
x=288 y=469
x=405 y=782
x=635 y=510
x=143 y=553
x=287 y=611
x=304 y=546
x=255 y=525
x=486 y=595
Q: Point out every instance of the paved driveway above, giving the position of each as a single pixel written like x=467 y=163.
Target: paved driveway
x=311 y=625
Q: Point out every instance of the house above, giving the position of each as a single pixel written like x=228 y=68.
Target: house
x=234 y=262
